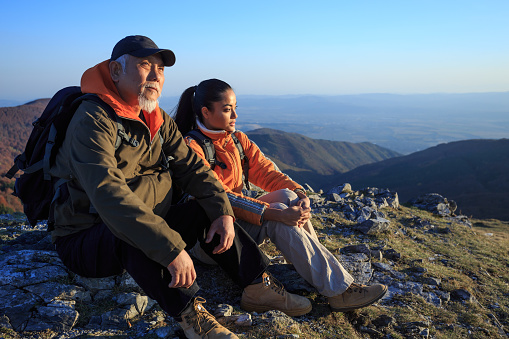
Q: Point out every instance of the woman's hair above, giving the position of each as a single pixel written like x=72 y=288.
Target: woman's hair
x=192 y=101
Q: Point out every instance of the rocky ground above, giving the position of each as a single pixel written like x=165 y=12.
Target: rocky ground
x=447 y=275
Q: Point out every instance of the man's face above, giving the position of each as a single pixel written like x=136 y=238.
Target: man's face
x=143 y=77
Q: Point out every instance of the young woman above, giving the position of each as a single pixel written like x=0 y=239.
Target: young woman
x=283 y=214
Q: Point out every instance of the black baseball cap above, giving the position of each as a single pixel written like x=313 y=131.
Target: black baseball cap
x=141 y=46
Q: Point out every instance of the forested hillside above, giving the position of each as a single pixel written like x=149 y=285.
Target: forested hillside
x=315 y=161
x=16 y=125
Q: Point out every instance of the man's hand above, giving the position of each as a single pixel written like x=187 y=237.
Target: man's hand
x=182 y=271
x=224 y=227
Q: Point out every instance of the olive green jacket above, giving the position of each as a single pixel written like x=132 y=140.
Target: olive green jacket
x=127 y=188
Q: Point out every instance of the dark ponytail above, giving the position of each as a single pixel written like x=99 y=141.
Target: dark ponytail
x=192 y=101
x=184 y=116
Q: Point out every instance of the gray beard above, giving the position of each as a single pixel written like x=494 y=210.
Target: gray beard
x=147 y=105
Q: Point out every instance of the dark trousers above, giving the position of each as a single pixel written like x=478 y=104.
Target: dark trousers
x=97 y=253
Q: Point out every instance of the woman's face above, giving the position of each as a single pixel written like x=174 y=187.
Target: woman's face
x=222 y=114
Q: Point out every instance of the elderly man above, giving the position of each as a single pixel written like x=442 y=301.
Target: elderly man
x=115 y=212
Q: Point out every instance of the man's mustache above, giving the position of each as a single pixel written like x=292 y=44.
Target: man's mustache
x=151 y=85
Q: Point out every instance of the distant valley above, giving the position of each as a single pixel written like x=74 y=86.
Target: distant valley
x=315 y=161
x=404 y=123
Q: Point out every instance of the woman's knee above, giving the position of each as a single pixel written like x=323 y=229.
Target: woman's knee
x=278 y=205
x=284 y=196
x=279 y=230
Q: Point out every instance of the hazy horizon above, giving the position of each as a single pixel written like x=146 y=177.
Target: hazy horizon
x=404 y=123
x=174 y=99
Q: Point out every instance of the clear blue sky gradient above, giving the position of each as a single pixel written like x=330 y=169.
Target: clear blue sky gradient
x=266 y=47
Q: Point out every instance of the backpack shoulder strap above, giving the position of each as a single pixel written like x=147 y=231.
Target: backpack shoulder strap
x=207 y=146
x=165 y=159
x=243 y=159
x=121 y=134
x=238 y=145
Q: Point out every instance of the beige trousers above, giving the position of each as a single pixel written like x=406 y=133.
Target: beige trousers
x=311 y=259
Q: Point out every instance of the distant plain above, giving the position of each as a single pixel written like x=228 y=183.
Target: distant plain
x=403 y=123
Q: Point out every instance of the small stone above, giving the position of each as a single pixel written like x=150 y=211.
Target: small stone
x=432 y=281
x=424 y=333
x=420 y=270
x=223 y=310
x=370 y=331
x=243 y=320
x=335 y=197
x=445 y=296
x=360 y=248
x=392 y=254
x=462 y=295
x=95 y=321
x=382 y=266
x=432 y=298
x=376 y=255
x=384 y=321
x=163 y=332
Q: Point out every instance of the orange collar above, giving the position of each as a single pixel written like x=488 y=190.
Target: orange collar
x=97 y=80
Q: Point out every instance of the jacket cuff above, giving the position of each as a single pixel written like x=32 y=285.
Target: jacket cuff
x=173 y=254
x=252 y=210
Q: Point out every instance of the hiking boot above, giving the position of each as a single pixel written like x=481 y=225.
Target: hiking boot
x=198 y=323
x=356 y=296
x=271 y=295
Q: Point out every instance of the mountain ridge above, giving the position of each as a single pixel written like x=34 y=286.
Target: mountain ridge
x=322 y=156
x=474 y=173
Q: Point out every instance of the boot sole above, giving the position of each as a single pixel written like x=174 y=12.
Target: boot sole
x=351 y=308
x=262 y=308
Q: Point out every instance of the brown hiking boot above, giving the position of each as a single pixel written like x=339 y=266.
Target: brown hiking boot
x=198 y=323
x=271 y=295
x=356 y=296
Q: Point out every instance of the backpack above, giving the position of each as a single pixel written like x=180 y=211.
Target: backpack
x=210 y=153
x=36 y=188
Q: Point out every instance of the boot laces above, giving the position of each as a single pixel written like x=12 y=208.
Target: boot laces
x=274 y=284
x=354 y=287
x=201 y=320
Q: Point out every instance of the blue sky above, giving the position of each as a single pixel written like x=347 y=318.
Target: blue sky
x=266 y=47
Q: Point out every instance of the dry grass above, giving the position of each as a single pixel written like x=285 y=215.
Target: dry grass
x=475 y=259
